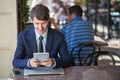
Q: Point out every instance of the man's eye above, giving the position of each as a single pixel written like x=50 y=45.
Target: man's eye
x=44 y=23
x=37 y=23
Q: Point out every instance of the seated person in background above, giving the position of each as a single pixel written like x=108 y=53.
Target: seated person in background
x=53 y=42
x=52 y=24
x=77 y=31
x=60 y=17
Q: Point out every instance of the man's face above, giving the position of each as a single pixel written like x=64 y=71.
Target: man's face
x=40 y=25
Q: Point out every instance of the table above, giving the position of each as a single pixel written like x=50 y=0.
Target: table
x=100 y=41
x=77 y=73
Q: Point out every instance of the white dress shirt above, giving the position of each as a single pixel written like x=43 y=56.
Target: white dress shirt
x=44 y=35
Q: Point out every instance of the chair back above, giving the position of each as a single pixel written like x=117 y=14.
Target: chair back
x=82 y=50
x=93 y=59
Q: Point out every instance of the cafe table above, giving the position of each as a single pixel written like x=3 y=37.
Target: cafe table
x=76 y=73
x=100 y=41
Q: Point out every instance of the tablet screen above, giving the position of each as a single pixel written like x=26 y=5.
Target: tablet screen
x=41 y=56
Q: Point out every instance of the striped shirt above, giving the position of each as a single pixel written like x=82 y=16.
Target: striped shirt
x=78 y=31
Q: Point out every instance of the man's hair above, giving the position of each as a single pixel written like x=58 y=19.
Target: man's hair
x=76 y=9
x=40 y=11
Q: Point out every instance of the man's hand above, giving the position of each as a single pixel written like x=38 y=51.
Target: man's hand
x=48 y=62
x=34 y=63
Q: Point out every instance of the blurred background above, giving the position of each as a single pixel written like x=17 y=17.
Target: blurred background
x=14 y=17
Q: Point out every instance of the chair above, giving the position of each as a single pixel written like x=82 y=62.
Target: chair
x=84 y=49
x=93 y=59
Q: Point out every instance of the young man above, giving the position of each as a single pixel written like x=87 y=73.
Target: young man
x=52 y=42
x=77 y=31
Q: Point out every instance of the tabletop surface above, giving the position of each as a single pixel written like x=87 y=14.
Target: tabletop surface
x=77 y=73
x=100 y=41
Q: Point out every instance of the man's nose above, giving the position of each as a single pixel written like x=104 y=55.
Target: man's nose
x=40 y=26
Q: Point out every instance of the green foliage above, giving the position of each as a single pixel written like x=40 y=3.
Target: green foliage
x=91 y=1
x=25 y=13
x=118 y=1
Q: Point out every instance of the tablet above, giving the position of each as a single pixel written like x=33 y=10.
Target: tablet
x=41 y=56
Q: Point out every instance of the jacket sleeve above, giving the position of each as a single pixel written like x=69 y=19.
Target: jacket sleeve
x=20 y=60
x=65 y=59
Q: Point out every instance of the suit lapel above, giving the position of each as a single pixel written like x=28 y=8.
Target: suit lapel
x=49 y=40
x=33 y=40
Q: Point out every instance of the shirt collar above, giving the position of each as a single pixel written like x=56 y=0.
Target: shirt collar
x=44 y=34
x=77 y=18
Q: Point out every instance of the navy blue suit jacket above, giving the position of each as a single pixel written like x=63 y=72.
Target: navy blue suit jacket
x=55 y=45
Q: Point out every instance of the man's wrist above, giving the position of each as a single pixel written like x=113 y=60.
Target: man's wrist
x=28 y=64
x=54 y=63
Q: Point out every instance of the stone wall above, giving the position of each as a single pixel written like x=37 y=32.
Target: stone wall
x=8 y=35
